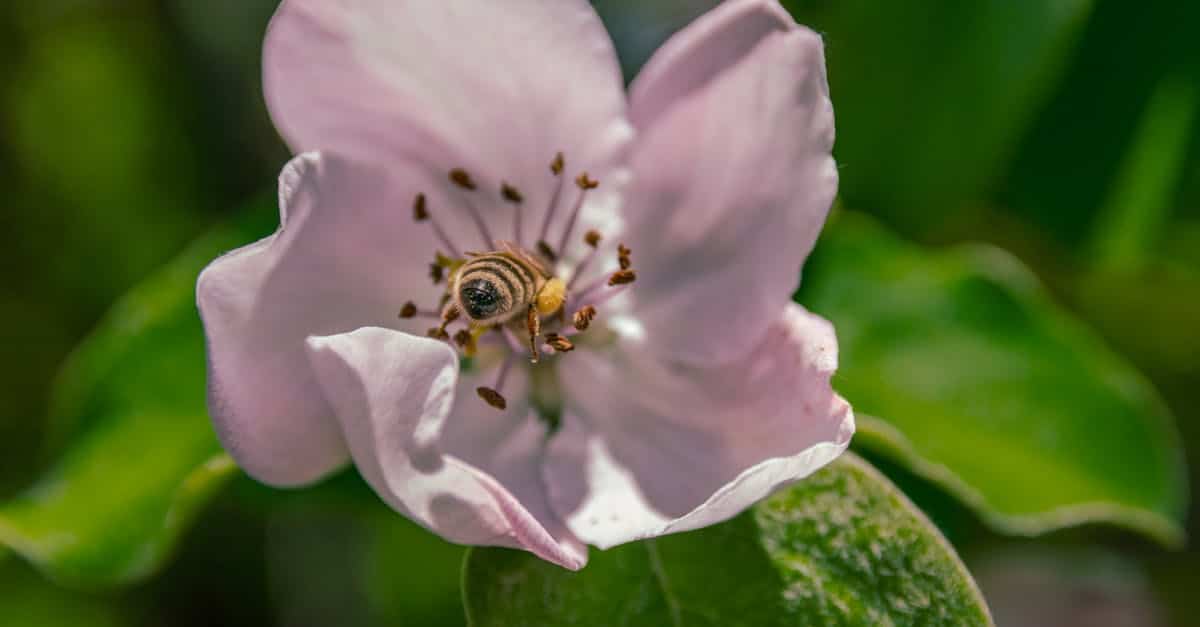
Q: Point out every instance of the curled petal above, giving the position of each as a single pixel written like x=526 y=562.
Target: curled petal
x=648 y=448
x=344 y=256
x=733 y=178
x=494 y=88
x=469 y=474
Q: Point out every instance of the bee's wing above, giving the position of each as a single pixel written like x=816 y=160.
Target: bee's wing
x=524 y=256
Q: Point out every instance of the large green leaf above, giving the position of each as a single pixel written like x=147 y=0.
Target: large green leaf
x=931 y=97
x=141 y=456
x=843 y=547
x=982 y=385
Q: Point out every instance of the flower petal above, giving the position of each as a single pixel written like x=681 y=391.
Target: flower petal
x=469 y=476
x=495 y=88
x=648 y=448
x=344 y=256
x=733 y=178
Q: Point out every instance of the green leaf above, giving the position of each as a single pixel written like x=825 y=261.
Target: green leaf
x=28 y=600
x=138 y=452
x=932 y=96
x=985 y=387
x=843 y=547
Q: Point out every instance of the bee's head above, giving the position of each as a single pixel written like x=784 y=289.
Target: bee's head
x=480 y=299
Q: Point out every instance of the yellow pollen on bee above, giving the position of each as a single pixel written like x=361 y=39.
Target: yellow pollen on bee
x=510 y=286
x=551 y=296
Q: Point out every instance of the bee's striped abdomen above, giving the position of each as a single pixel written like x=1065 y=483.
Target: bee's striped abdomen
x=494 y=287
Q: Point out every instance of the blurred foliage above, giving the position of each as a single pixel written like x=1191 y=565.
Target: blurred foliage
x=931 y=96
x=134 y=391
x=1064 y=131
x=983 y=386
x=843 y=547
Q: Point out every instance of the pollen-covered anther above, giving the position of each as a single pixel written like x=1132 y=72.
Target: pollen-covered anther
x=585 y=182
x=510 y=193
x=623 y=253
x=592 y=238
x=466 y=341
x=557 y=165
x=583 y=318
x=559 y=343
x=409 y=310
x=622 y=277
x=492 y=397
x=544 y=248
x=459 y=177
x=420 y=211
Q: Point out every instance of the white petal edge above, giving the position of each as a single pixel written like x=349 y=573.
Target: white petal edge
x=638 y=456
x=495 y=88
x=733 y=178
x=394 y=395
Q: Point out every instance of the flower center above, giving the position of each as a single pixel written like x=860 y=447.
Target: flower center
x=512 y=289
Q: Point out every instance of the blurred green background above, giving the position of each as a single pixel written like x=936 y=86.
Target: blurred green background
x=1065 y=131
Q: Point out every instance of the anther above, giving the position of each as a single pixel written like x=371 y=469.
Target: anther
x=559 y=343
x=557 y=165
x=586 y=182
x=546 y=251
x=436 y=272
x=466 y=341
x=449 y=314
x=409 y=310
x=592 y=238
x=510 y=193
x=459 y=177
x=437 y=333
x=622 y=277
x=583 y=318
x=492 y=397
x=623 y=256
x=420 y=212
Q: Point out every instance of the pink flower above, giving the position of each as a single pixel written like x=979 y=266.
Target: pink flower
x=453 y=126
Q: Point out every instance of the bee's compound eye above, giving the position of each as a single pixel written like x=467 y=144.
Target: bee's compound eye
x=480 y=299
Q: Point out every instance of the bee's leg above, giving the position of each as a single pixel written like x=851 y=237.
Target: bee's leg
x=533 y=323
x=449 y=314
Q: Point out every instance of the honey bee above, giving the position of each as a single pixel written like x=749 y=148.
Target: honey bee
x=498 y=287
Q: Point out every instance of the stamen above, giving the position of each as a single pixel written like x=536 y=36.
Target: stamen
x=492 y=397
x=622 y=277
x=556 y=168
x=511 y=194
x=436 y=272
x=623 y=253
x=602 y=289
x=459 y=177
x=421 y=214
x=583 y=318
x=546 y=251
x=449 y=314
x=559 y=343
x=437 y=333
x=592 y=239
x=584 y=183
x=409 y=310
x=465 y=340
